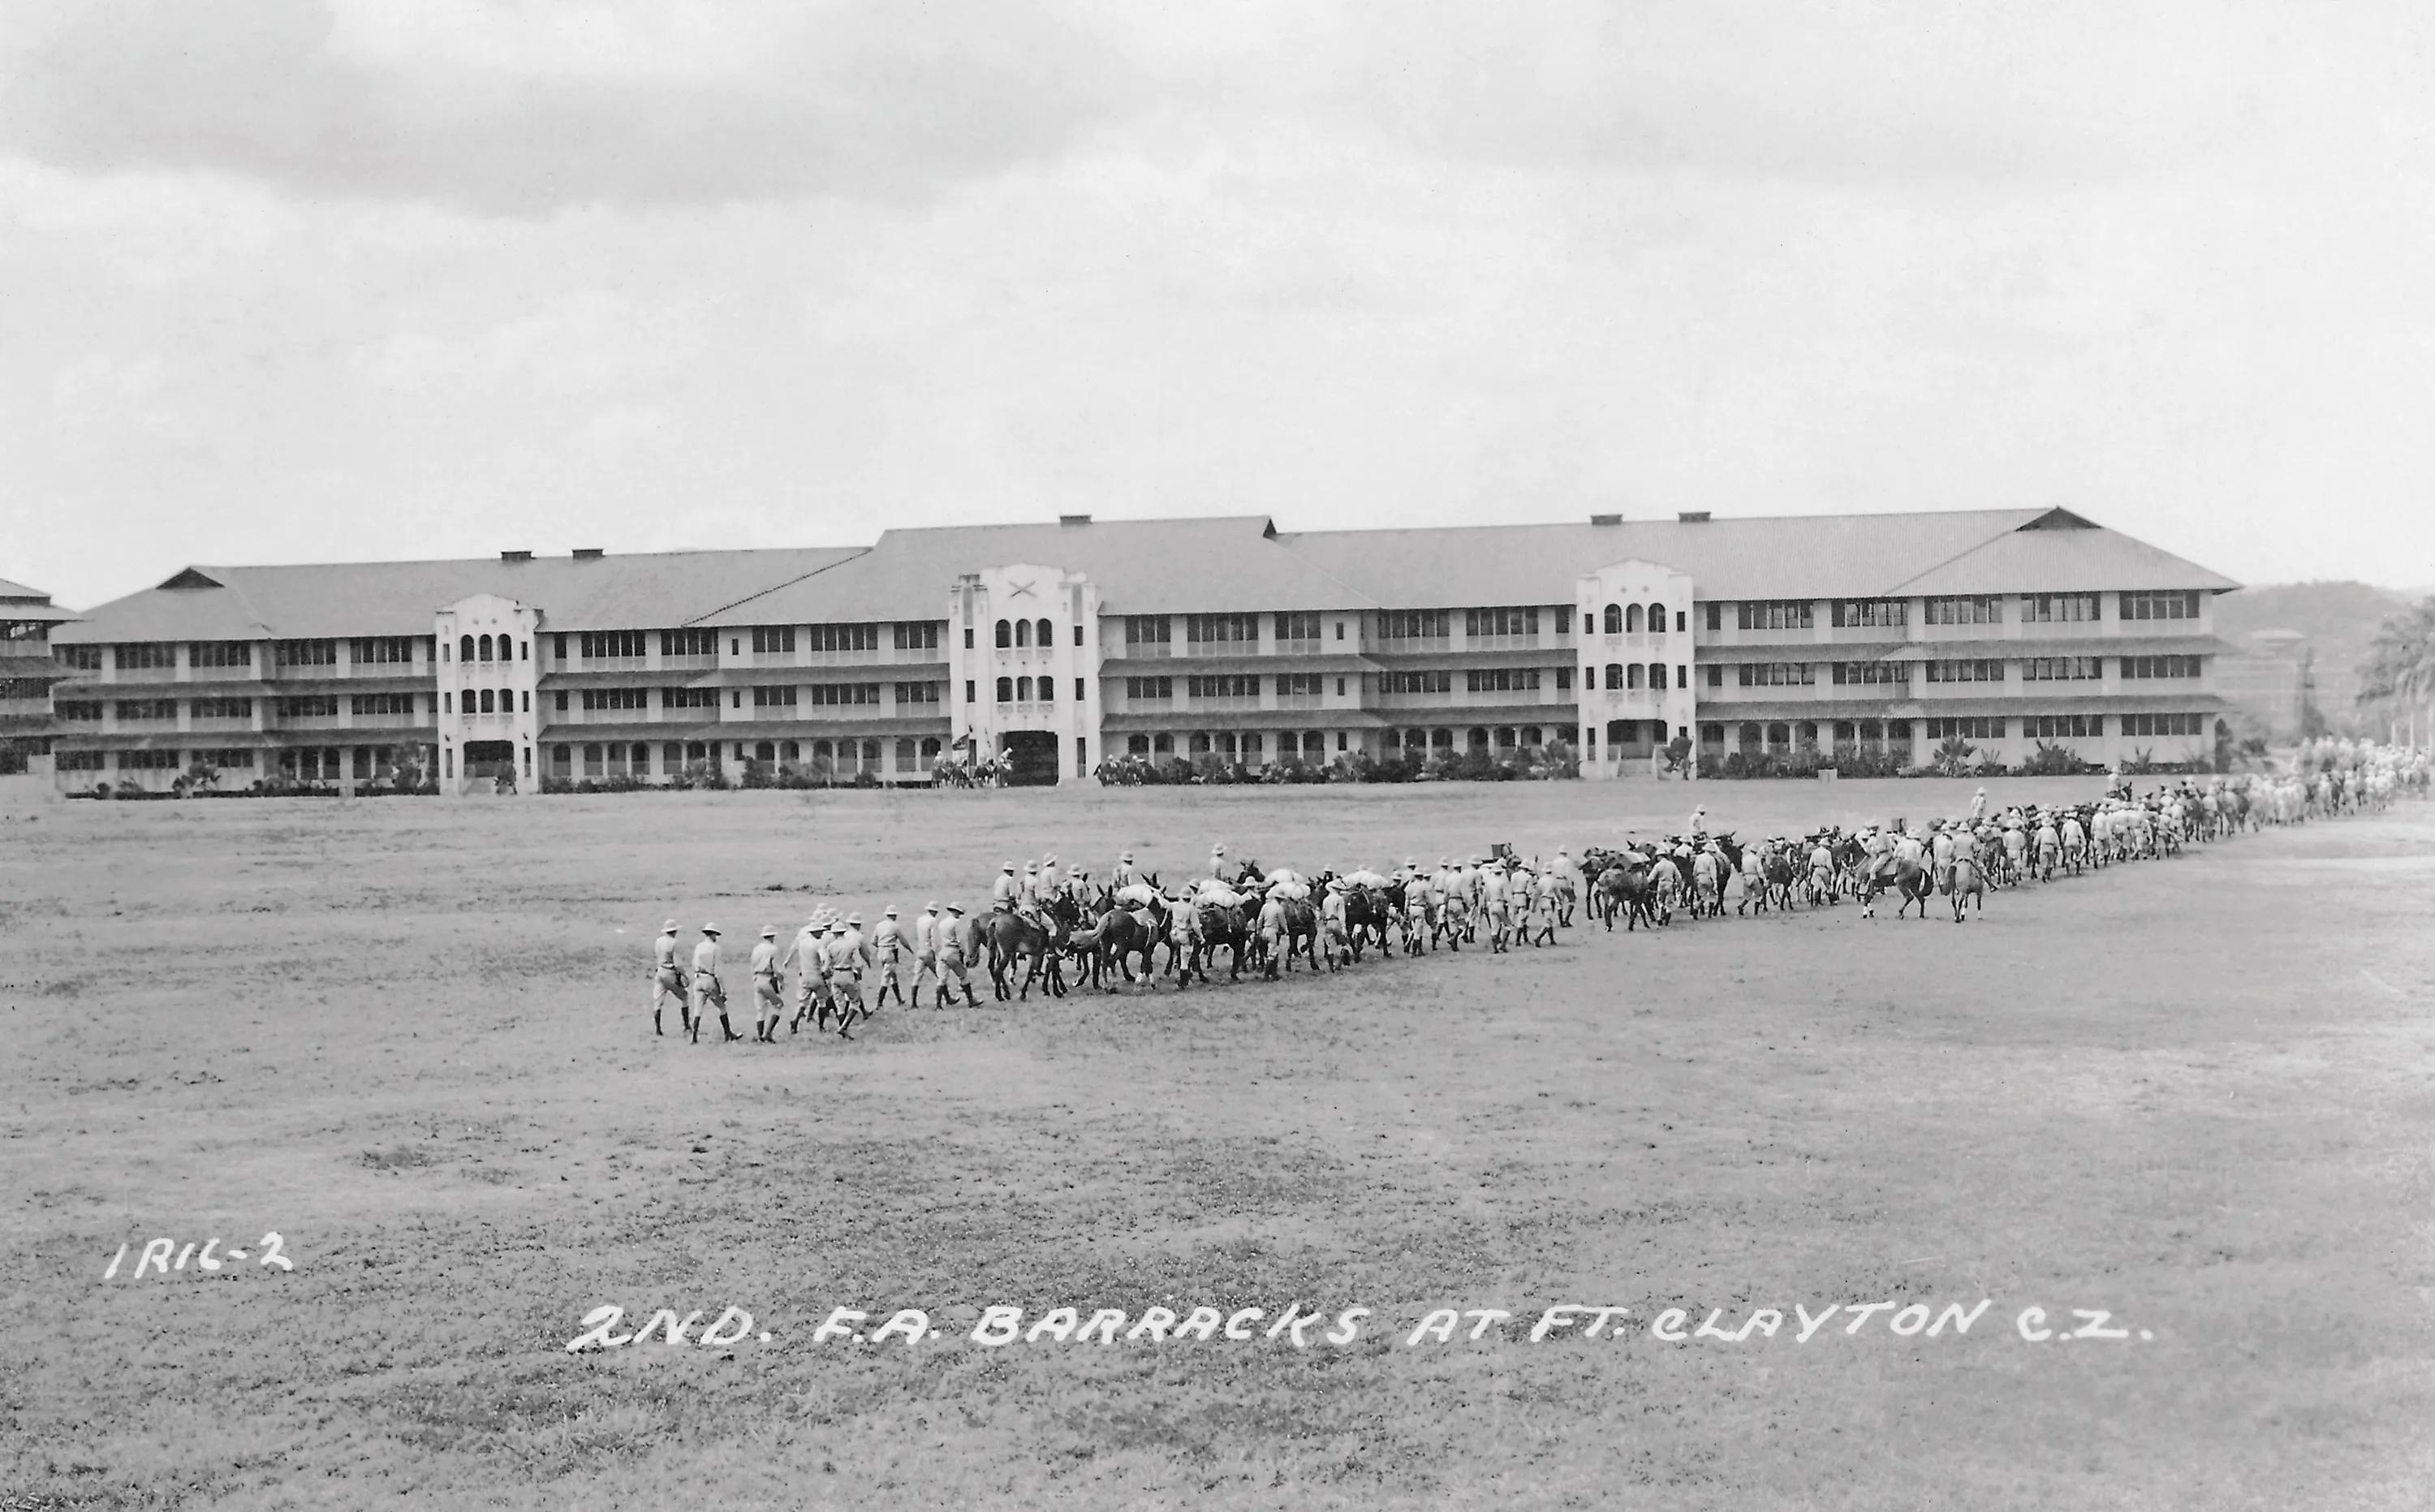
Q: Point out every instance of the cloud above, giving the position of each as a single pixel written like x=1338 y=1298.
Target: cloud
x=518 y=110
x=583 y=343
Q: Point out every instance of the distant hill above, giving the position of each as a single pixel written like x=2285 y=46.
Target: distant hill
x=2338 y=618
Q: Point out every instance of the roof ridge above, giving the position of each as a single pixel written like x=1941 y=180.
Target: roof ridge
x=2015 y=511
x=1938 y=566
x=853 y=554
x=1361 y=598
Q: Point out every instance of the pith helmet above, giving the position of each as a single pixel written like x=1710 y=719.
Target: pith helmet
x=710 y=929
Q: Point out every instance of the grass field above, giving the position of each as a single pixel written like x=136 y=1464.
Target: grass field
x=411 y=1038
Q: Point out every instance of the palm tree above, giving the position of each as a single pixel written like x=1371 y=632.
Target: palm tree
x=2400 y=669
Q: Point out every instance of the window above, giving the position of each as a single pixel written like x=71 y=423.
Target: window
x=1871 y=614
x=1300 y=685
x=1976 y=727
x=1436 y=681
x=688 y=643
x=2163 y=724
x=465 y=648
x=360 y=704
x=1146 y=629
x=773 y=640
x=913 y=693
x=1298 y=626
x=2160 y=666
x=833 y=638
x=306 y=653
x=917 y=635
x=146 y=710
x=1149 y=690
x=240 y=654
x=148 y=761
x=1716 y=675
x=1415 y=624
x=1778 y=674
x=1004 y=685
x=969 y=691
x=243 y=708
x=2057 y=609
x=1656 y=619
x=488 y=707
x=1005 y=638
x=1632 y=619
x=683 y=698
x=77 y=761
x=599 y=698
x=1224 y=685
x=2159 y=606
x=1775 y=614
x=1045 y=635
x=767 y=697
x=485 y=648
x=1503 y=679
x=77 y=713
x=223 y=760
x=1216 y=629
x=308 y=706
x=1865 y=673
x=838 y=695
x=622 y=646
x=80 y=658
x=2061 y=668
x=1965 y=671
x=1614 y=619
x=1564 y=679
x=144 y=656
x=1480 y=622
x=2062 y=726
x=1982 y=609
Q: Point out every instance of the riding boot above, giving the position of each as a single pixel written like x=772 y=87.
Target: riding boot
x=655 y=1022
x=725 y=1028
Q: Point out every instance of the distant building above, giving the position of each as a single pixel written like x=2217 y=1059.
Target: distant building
x=27 y=672
x=1068 y=644
x=2269 y=678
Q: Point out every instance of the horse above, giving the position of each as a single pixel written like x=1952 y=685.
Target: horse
x=1219 y=924
x=1300 y=936
x=1040 y=946
x=1366 y=913
x=1780 y=875
x=1627 y=890
x=1113 y=942
x=1968 y=885
x=1908 y=878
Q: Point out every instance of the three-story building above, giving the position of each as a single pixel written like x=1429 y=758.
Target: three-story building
x=1642 y=645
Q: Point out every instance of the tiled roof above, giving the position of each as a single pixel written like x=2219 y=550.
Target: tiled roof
x=663 y=589
x=1845 y=555
x=1223 y=564
x=25 y=605
x=1219 y=565
x=2060 y=561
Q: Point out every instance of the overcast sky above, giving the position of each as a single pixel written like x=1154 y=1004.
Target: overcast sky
x=335 y=280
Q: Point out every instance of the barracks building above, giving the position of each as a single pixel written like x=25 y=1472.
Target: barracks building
x=1064 y=644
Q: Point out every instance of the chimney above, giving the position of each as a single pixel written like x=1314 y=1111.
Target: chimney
x=1606 y=519
x=1692 y=517
x=1072 y=519
x=588 y=553
x=515 y=556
